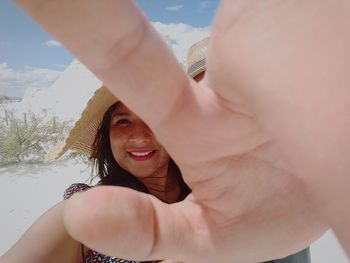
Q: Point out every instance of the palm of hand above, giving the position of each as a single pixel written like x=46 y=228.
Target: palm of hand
x=246 y=201
x=245 y=204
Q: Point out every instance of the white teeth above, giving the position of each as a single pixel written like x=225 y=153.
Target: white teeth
x=141 y=153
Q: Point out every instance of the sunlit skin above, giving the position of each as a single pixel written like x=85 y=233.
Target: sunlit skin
x=137 y=151
x=129 y=134
x=263 y=141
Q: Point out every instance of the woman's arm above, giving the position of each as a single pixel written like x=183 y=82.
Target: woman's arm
x=45 y=241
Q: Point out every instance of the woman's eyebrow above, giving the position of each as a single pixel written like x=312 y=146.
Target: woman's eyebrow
x=118 y=114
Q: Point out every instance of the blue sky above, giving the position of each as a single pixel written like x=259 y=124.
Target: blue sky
x=25 y=47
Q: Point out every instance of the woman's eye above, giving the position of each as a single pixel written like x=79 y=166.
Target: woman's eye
x=122 y=122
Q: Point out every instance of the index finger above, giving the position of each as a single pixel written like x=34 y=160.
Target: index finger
x=115 y=41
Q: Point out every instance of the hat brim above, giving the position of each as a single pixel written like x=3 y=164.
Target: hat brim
x=197 y=68
x=82 y=135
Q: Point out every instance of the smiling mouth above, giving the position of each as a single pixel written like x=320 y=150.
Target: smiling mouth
x=142 y=155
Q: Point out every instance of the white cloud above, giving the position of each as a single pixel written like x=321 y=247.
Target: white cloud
x=174 y=8
x=52 y=43
x=180 y=37
x=14 y=82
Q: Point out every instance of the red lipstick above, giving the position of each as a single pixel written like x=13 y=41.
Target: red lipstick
x=142 y=154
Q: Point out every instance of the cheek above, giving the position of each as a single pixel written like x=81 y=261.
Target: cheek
x=164 y=155
x=116 y=146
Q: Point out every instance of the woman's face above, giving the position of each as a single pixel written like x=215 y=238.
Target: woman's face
x=134 y=146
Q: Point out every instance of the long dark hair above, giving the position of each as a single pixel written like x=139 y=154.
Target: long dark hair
x=110 y=172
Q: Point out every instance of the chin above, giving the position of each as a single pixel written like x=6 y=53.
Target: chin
x=143 y=174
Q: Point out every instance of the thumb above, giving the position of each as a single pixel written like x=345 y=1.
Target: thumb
x=128 y=224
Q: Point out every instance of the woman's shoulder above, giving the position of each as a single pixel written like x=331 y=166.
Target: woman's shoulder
x=75 y=188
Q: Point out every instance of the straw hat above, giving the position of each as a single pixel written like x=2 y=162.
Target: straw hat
x=196 y=57
x=82 y=135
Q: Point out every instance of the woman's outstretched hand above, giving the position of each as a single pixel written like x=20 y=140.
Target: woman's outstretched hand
x=263 y=140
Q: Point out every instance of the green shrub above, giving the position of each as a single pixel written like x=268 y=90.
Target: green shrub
x=29 y=137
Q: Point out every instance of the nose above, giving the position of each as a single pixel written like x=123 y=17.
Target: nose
x=141 y=133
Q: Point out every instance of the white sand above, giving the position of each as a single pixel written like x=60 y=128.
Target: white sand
x=28 y=190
